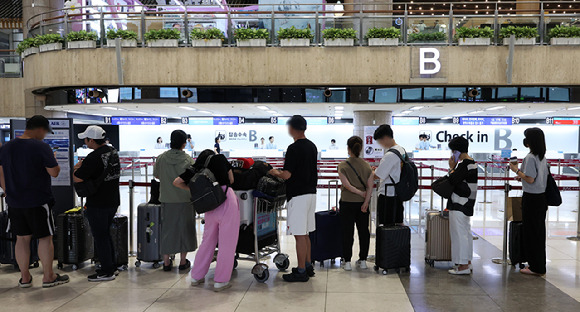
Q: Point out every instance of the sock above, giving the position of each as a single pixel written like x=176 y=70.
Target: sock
x=301 y=271
x=308 y=265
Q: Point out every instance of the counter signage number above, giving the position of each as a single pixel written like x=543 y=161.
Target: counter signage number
x=107 y=120
x=422 y=120
x=515 y=120
x=185 y=120
x=163 y=120
x=274 y=120
x=330 y=120
x=549 y=120
x=241 y=120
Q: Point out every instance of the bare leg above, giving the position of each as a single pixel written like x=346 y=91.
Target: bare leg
x=166 y=260
x=301 y=250
x=183 y=258
x=22 y=250
x=308 y=249
x=46 y=255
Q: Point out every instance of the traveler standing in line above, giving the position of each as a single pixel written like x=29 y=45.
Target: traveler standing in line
x=26 y=165
x=216 y=148
x=271 y=144
x=534 y=177
x=222 y=225
x=178 y=233
x=389 y=208
x=103 y=204
x=357 y=180
x=301 y=172
x=159 y=144
x=463 y=177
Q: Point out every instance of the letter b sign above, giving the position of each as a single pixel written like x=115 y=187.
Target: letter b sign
x=429 y=56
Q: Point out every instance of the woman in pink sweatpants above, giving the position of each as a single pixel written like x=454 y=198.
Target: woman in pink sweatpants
x=222 y=225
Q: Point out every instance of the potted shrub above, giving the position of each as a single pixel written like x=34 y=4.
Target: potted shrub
x=81 y=40
x=434 y=37
x=339 y=37
x=246 y=37
x=27 y=47
x=293 y=37
x=525 y=35
x=473 y=36
x=205 y=38
x=564 y=35
x=50 y=42
x=128 y=38
x=163 y=38
x=387 y=36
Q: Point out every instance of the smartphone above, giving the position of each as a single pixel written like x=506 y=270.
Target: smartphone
x=456 y=155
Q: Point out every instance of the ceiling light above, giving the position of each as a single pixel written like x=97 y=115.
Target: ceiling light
x=111 y=107
x=74 y=112
x=573 y=108
x=272 y=112
x=262 y=107
x=187 y=108
x=445 y=118
x=337 y=117
x=475 y=112
x=494 y=108
x=416 y=107
x=545 y=112
x=142 y=113
x=522 y=115
x=204 y=112
x=219 y=115
x=339 y=107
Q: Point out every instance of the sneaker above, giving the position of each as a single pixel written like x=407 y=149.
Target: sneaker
x=168 y=268
x=185 y=266
x=117 y=272
x=456 y=271
x=362 y=264
x=217 y=287
x=25 y=285
x=59 y=280
x=347 y=266
x=195 y=282
x=310 y=271
x=295 y=276
x=101 y=277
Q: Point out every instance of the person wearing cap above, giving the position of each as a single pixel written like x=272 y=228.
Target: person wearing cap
x=178 y=233
x=26 y=167
x=301 y=172
x=101 y=206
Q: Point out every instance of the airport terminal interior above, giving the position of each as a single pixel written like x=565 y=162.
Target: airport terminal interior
x=231 y=74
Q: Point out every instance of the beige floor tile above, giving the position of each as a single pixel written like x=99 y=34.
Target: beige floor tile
x=144 y=277
x=113 y=299
x=288 y=302
x=37 y=299
x=276 y=284
x=363 y=281
x=198 y=299
x=368 y=302
x=241 y=281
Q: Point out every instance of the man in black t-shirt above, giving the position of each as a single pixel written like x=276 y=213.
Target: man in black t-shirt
x=301 y=172
x=102 y=205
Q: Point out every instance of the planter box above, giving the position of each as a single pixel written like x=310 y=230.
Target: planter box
x=251 y=43
x=474 y=41
x=50 y=47
x=302 y=42
x=30 y=51
x=382 y=42
x=88 y=44
x=209 y=43
x=428 y=42
x=338 y=42
x=163 y=43
x=124 y=43
x=565 y=41
x=520 y=41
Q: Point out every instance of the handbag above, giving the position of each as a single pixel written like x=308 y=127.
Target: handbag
x=553 y=197
x=443 y=187
x=90 y=187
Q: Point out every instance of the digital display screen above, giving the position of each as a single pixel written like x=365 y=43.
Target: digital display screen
x=405 y=121
x=135 y=121
x=214 y=121
x=485 y=121
x=569 y=121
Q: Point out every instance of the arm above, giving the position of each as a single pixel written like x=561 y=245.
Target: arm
x=231 y=176
x=369 y=193
x=280 y=173
x=2 y=181
x=346 y=184
x=54 y=171
x=520 y=174
x=178 y=182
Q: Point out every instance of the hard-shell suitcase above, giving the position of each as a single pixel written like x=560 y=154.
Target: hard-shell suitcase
x=149 y=234
x=8 y=244
x=120 y=235
x=516 y=247
x=326 y=240
x=437 y=237
x=246 y=202
x=74 y=240
x=393 y=248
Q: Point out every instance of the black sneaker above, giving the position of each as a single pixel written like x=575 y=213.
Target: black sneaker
x=101 y=277
x=185 y=266
x=168 y=268
x=295 y=276
x=309 y=271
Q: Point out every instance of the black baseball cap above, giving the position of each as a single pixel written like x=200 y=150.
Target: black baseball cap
x=178 y=137
x=38 y=121
x=297 y=122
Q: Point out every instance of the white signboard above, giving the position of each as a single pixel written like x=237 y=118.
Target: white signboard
x=371 y=149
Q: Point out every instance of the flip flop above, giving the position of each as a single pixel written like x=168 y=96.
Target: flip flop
x=25 y=285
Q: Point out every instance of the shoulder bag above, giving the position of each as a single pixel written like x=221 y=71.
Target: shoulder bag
x=91 y=186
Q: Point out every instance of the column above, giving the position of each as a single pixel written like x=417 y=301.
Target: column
x=363 y=119
x=33 y=7
x=35 y=106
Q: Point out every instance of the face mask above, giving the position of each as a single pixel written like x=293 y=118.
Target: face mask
x=456 y=155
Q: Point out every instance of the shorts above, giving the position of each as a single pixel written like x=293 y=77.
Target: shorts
x=35 y=221
x=301 y=211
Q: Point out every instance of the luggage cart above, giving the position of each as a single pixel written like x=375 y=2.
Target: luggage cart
x=265 y=236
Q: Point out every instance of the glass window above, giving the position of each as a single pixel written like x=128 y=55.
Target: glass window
x=485 y=95
x=411 y=94
x=507 y=94
x=371 y=95
x=385 y=95
x=532 y=94
x=168 y=93
x=338 y=96
x=137 y=93
x=455 y=94
x=433 y=94
x=559 y=94
x=125 y=94
x=314 y=96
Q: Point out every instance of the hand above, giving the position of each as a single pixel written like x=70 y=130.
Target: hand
x=518 y=179
x=365 y=207
x=363 y=194
x=514 y=167
x=78 y=165
x=273 y=172
x=452 y=163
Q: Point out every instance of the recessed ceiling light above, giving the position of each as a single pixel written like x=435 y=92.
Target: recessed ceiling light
x=74 y=112
x=545 y=112
x=522 y=115
x=272 y=112
x=262 y=107
x=110 y=108
x=337 y=117
x=495 y=108
x=573 y=108
x=445 y=118
x=204 y=112
x=406 y=112
x=416 y=107
x=475 y=112
x=339 y=107
x=187 y=108
x=142 y=113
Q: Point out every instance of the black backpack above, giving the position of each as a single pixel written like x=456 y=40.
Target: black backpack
x=553 y=197
x=206 y=193
x=409 y=181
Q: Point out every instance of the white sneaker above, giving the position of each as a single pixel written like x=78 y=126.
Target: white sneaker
x=195 y=282
x=217 y=287
x=347 y=266
x=455 y=271
x=362 y=264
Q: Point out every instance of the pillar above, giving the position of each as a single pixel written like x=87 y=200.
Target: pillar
x=35 y=106
x=33 y=7
x=363 y=119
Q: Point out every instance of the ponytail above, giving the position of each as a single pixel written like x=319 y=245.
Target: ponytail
x=354 y=143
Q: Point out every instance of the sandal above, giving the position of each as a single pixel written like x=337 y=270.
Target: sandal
x=59 y=280
x=25 y=285
x=185 y=266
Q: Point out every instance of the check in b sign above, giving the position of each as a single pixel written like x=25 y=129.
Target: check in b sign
x=429 y=63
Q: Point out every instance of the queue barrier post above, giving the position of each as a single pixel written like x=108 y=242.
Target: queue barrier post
x=420 y=193
x=577 y=237
x=131 y=219
x=146 y=180
x=133 y=169
x=485 y=201
x=504 y=260
x=432 y=179
x=559 y=169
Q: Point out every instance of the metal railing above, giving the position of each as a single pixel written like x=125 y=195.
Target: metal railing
x=410 y=17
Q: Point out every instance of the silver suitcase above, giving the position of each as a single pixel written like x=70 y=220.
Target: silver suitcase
x=437 y=237
x=246 y=202
x=149 y=234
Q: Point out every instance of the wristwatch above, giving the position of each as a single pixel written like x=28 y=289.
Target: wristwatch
x=517 y=172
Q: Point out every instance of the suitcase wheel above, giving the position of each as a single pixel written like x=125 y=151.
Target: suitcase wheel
x=137 y=263
x=156 y=265
x=385 y=272
x=75 y=267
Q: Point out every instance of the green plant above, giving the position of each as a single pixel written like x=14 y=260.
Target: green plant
x=27 y=43
x=160 y=34
x=466 y=32
x=81 y=35
x=49 y=38
x=339 y=33
x=294 y=33
x=435 y=36
x=564 y=32
x=377 y=32
x=518 y=31
x=113 y=34
x=206 y=34
x=250 y=33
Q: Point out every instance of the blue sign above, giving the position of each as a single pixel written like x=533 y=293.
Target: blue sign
x=485 y=121
x=136 y=121
x=226 y=121
x=405 y=121
x=215 y=121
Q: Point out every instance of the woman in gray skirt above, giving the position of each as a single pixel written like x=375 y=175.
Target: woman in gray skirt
x=177 y=214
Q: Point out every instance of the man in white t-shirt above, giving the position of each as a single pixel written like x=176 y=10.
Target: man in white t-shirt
x=389 y=208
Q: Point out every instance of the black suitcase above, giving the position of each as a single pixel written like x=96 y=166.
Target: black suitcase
x=120 y=235
x=516 y=247
x=74 y=240
x=393 y=248
x=326 y=241
x=8 y=244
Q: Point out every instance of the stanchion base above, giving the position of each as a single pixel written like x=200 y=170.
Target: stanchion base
x=485 y=202
x=501 y=261
x=574 y=238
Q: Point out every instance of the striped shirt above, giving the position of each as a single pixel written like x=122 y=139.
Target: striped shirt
x=464 y=180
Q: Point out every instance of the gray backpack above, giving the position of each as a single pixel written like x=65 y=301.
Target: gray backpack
x=206 y=193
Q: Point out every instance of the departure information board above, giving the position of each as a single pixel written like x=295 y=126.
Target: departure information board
x=484 y=121
x=137 y=121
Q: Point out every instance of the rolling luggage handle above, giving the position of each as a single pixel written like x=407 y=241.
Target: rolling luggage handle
x=336 y=187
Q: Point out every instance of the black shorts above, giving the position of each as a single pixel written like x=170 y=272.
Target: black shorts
x=36 y=221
